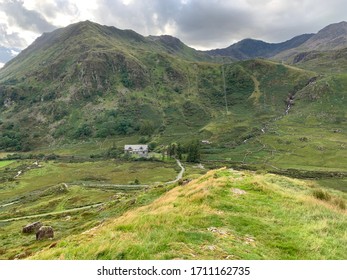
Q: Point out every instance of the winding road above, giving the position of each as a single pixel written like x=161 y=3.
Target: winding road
x=180 y=174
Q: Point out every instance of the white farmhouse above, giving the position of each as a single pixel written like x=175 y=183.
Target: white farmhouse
x=140 y=150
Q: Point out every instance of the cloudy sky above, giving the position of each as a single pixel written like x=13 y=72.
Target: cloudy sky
x=203 y=24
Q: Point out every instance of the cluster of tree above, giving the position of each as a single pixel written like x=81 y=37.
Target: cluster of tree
x=112 y=123
x=11 y=139
x=191 y=150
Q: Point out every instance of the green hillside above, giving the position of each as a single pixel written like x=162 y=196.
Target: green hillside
x=89 y=81
x=223 y=215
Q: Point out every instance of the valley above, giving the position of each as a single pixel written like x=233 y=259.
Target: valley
x=261 y=141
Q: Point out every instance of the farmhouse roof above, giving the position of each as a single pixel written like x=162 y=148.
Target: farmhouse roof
x=136 y=147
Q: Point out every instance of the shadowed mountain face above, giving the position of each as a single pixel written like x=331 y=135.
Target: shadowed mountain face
x=329 y=39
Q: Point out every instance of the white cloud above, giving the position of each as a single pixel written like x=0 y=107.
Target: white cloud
x=2 y=65
x=14 y=53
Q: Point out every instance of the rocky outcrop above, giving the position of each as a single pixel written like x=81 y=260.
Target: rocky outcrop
x=32 y=228
x=45 y=232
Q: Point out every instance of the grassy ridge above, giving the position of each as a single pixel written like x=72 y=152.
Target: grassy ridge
x=223 y=215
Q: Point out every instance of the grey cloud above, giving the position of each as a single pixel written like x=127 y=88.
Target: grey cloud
x=51 y=9
x=217 y=23
x=198 y=23
x=11 y=40
x=207 y=22
x=27 y=19
x=137 y=16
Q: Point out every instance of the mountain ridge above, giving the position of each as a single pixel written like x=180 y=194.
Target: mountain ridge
x=251 y=48
x=331 y=37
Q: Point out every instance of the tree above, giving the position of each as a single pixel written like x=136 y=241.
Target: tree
x=179 y=151
x=172 y=150
x=123 y=126
x=83 y=131
x=193 y=150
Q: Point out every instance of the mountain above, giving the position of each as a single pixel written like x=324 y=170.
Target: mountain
x=60 y=45
x=176 y=47
x=89 y=82
x=86 y=66
x=332 y=37
x=250 y=48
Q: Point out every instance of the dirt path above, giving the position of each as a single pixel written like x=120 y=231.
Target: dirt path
x=8 y=204
x=256 y=92
x=180 y=174
x=53 y=213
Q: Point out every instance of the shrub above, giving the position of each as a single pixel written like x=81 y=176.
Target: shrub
x=137 y=182
x=340 y=203
x=321 y=195
x=85 y=130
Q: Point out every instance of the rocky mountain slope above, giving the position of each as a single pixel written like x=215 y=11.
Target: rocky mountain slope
x=331 y=38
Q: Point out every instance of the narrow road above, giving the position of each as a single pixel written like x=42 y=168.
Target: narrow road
x=180 y=174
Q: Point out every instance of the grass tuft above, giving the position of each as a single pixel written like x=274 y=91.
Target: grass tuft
x=321 y=195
